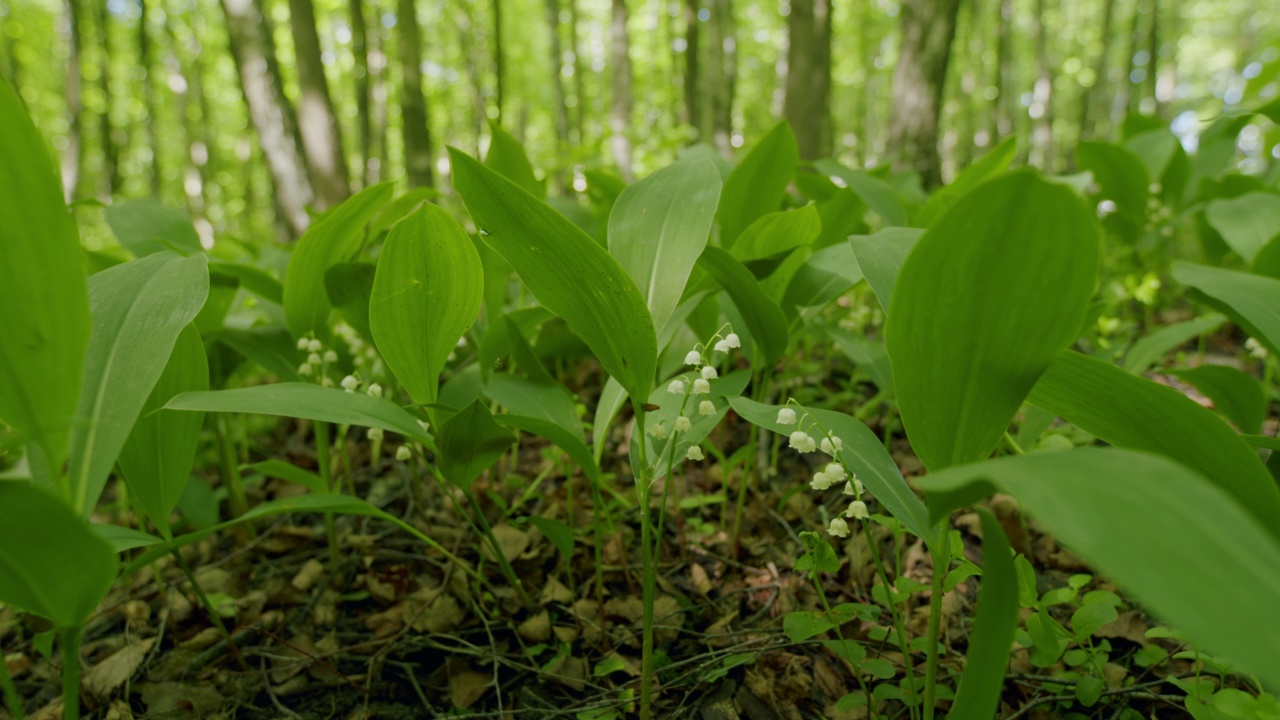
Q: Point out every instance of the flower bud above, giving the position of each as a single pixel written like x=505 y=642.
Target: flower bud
x=350 y=383
x=403 y=453
x=375 y=390
x=375 y=433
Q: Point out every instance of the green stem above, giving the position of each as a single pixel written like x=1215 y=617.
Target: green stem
x=899 y=626
x=748 y=466
x=507 y=570
x=326 y=478
x=230 y=466
x=11 y=698
x=941 y=561
x=69 y=639
x=866 y=691
x=640 y=470
x=199 y=591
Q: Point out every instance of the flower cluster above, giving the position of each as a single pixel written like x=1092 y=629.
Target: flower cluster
x=698 y=384
x=833 y=473
x=319 y=358
x=1255 y=348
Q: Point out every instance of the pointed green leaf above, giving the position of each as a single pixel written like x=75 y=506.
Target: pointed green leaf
x=978 y=695
x=309 y=402
x=825 y=275
x=880 y=257
x=1150 y=348
x=51 y=563
x=157 y=457
x=985 y=301
x=469 y=442
x=876 y=193
x=1247 y=223
x=332 y=239
x=1127 y=513
x=659 y=226
x=138 y=309
x=985 y=168
x=349 y=286
x=758 y=184
x=572 y=444
x=566 y=271
x=147 y=226
x=765 y=321
x=557 y=532
x=1251 y=300
x=1133 y=412
x=507 y=157
x=43 y=296
x=290 y=472
x=523 y=396
x=426 y=294
x=1235 y=394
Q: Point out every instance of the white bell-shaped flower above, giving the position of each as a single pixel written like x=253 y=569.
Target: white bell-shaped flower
x=303 y=343
x=403 y=453
x=695 y=453
x=821 y=481
x=658 y=431
x=801 y=441
x=836 y=471
x=732 y=340
x=375 y=433
x=701 y=387
x=375 y=390
x=786 y=416
x=693 y=358
x=314 y=346
x=305 y=369
x=682 y=424
x=350 y=383
x=857 y=509
x=314 y=358
x=722 y=346
x=330 y=356
x=706 y=407
x=709 y=373
x=838 y=527
x=676 y=387
x=832 y=445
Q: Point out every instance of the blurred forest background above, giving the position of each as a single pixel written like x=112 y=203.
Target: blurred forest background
x=253 y=113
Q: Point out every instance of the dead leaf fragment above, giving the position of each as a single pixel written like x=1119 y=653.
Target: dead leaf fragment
x=555 y=592
x=513 y=542
x=107 y=676
x=537 y=628
x=309 y=575
x=466 y=687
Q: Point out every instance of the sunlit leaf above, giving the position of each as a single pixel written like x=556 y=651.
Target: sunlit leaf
x=758 y=184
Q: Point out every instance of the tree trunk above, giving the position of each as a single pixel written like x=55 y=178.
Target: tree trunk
x=620 y=104
x=557 y=83
x=579 y=132
x=73 y=155
x=1003 y=108
x=720 y=77
x=247 y=32
x=186 y=86
x=1042 y=102
x=317 y=122
x=928 y=28
x=1092 y=93
x=9 y=52
x=413 y=104
x=1122 y=103
x=110 y=181
x=360 y=58
x=466 y=40
x=147 y=60
x=498 y=59
x=692 y=66
x=807 y=104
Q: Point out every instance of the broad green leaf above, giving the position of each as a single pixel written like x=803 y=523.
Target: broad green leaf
x=426 y=294
x=396 y=210
x=869 y=355
x=157 y=457
x=271 y=347
x=818 y=555
x=507 y=157
x=668 y=452
x=1150 y=348
x=985 y=301
x=566 y=271
x=978 y=695
x=1155 y=148
x=1234 y=393
x=51 y=563
x=658 y=228
x=825 y=275
x=876 y=193
x=880 y=257
x=1122 y=178
x=523 y=396
x=567 y=441
x=43 y=297
x=147 y=226
x=863 y=453
x=335 y=238
x=1129 y=411
x=124 y=538
x=1246 y=223
x=765 y=321
x=290 y=472
x=138 y=310
x=776 y=233
x=348 y=286
x=985 y=168
x=758 y=184
x=1253 y=301
x=557 y=532
x=253 y=279
x=526 y=358
x=469 y=442
x=800 y=626
x=612 y=398
x=1127 y=513
x=309 y=402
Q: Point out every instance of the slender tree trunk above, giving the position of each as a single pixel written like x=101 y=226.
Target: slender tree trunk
x=8 y=51
x=147 y=61
x=1152 y=79
x=579 y=132
x=317 y=122
x=1042 y=103
x=110 y=180
x=620 y=104
x=1094 y=92
x=378 y=62
x=360 y=74
x=557 y=83
x=719 y=78
x=466 y=39
x=73 y=155
x=413 y=104
x=928 y=28
x=971 y=66
x=268 y=110
x=1167 y=69
x=1123 y=102
x=185 y=85
x=692 y=67
x=1002 y=108
x=807 y=104
x=499 y=68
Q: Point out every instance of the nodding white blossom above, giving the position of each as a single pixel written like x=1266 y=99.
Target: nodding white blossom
x=821 y=481
x=695 y=453
x=683 y=425
x=693 y=358
x=375 y=390
x=838 y=527
x=786 y=416
x=350 y=383
x=314 y=358
x=375 y=433
x=709 y=373
x=801 y=441
x=706 y=407
x=403 y=453
x=676 y=387
x=732 y=340
x=835 y=471
x=722 y=346
x=314 y=346
x=330 y=356
x=1255 y=348
x=659 y=431
x=304 y=369
x=857 y=509
x=701 y=387
x=854 y=487
x=326 y=381
x=303 y=343
x=426 y=426
x=832 y=445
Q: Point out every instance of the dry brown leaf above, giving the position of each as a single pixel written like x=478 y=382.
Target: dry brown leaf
x=17 y=664
x=701 y=582
x=107 y=676
x=511 y=541
x=468 y=686
x=1129 y=626
x=568 y=671
x=309 y=575
x=442 y=615
x=119 y=710
x=180 y=700
x=555 y=592
x=537 y=628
